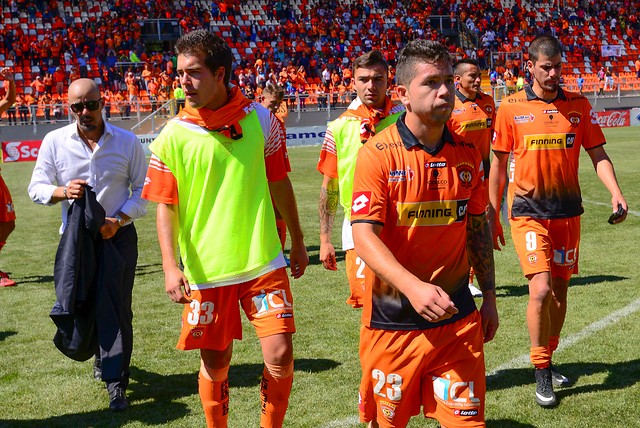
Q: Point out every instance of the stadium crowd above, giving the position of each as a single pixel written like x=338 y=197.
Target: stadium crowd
x=305 y=46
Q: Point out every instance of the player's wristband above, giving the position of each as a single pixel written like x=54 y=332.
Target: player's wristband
x=64 y=192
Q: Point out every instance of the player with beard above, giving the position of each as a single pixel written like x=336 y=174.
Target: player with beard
x=472 y=118
x=91 y=152
x=545 y=126
x=371 y=112
x=418 y=217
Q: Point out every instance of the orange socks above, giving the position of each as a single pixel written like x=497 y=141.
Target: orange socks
x=275 y=389
x=540 y=356
x=281 y=225
x=553 y=344
x=214 y=394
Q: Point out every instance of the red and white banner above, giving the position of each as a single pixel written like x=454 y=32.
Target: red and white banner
x=20 y=151
x=614 y=118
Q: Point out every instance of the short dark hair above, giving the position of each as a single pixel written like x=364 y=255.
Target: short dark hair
x=370 y=60
x=215 y=50
x=419 y=51
x=457 y=66
x=545 y=45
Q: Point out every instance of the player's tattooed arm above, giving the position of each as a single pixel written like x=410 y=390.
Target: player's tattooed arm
x=328 y=205
x=480 y=249
x=327 y=208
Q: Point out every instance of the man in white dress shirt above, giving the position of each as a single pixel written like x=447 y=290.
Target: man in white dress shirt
x=90 y=152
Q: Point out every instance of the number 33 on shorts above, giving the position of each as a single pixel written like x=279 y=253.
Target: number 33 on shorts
x=201 y=313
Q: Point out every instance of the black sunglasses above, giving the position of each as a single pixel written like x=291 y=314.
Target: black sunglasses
x=92 y=105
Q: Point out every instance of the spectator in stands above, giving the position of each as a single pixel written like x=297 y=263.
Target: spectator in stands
x=11 y=114
x=180 y=96
x=58 y=110
x=608 y=79
x=48 y=83
x=37 y=87
x=32 y=103
x=152 y=90
x=132 y=89
x=121 y=103
x=107 y=100
x=23 y=109
x=146 y=76
x=7 y=214
x=45 y=103
x=580 y=82
x=166 y=82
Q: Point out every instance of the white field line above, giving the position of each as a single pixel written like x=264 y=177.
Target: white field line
x=349 y=421
x=604 y=204
x=614 y=317
x=523 y=360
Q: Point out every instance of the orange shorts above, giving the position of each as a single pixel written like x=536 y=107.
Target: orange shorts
x=441 y=369
x=355 y=274
x=212 y=319
x=6 y=204
x=547 y=245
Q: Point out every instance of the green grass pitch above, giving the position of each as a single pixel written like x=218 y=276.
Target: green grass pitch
x=39 y=387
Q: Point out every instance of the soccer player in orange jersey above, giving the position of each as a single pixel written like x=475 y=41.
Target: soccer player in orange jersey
x=545 y=126
x=369 y=113
x=213 y=171
x=473 y=117
x=7 y=214
x=272 y=100
x=418 y=217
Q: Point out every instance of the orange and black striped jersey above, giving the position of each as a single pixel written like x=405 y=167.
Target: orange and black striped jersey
x=421 y=198
x=545 y=138
x=474 y=121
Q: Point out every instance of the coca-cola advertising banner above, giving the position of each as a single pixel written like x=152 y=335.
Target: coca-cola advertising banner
x=20 y=151
x=614 y=118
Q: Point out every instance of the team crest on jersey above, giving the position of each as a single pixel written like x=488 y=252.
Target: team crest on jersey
x=488 y=108
x=388 y=410
x=197 y=332
x=465 y=174
x=532 y=258
x=575 y=117
x=524 y=118
x=9 y=207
